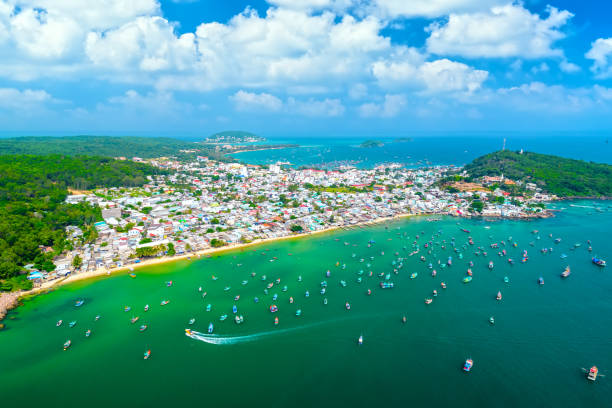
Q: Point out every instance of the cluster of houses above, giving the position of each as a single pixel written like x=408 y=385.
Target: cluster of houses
x=206 y=203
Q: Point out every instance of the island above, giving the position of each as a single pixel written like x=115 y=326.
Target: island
x=372 y=143
x=402 y=140
x=234 y=136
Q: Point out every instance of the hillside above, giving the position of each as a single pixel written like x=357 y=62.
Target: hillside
x=109 y=146
x=32 y=208
x=372 y=143
x=556 y=175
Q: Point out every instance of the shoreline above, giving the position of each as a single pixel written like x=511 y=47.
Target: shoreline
x=11 y=300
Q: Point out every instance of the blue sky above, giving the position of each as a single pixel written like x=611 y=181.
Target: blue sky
x=304 y=67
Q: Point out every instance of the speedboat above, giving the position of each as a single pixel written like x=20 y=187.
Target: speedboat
x=428 y=301
x=59 y=323
x=67 y=344
x=88 y=333
x=79 y=303
x=191 y=321
x=467 y=279
x=72 y=323
x=147 y=354
x=164 y=302
x=566 y=272
x=134 y=319
x=143 y=327
x=599 y=262
x=360 y=340
x=210 y=328
x=467 y=367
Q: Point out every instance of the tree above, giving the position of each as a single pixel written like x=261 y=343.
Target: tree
x=215 y=221
x=477 y=206
x=171 y=250
x=296 y=228
x=217 y=243
x=77 y=261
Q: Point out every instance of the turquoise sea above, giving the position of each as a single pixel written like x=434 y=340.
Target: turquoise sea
x=442 y=149
x=533 y=356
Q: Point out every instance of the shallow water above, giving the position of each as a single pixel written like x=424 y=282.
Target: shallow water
x=532 y=356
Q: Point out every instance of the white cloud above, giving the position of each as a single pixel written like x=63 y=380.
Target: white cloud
x=248 y=101
x=315 y=108
x=431 y=8
x=505 y=31
x=601 y=54
x=358 y=91
x=390 y=107
x=14 y=99
x=568 y=67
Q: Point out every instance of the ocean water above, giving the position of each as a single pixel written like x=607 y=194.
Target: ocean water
x=533 y=356
x=456 y=149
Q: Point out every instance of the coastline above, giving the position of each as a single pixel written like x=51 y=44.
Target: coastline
x=10 y=300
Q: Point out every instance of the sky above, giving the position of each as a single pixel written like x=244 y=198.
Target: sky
x=304 y=67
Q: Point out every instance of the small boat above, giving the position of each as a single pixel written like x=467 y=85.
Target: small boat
x=435 y=292
x=307 y=294
x=369 y=292
x=59 y=323
x=324 y=301
x=467 y=279
x=276 y=321
x=132 y=275
x=147 y=354
x=164 y=302
x=540 y=280
x=208 y=307
x=234 y=309
x=492 y=320
x=598 y=262
x=499 y=296
x=469 y=272
x=210 y=328
x=467 y=367
x=223 y=317
x=191 y=321
x=67 y=344
x=146 y=308
x=127 y=309
x=97 y=317
x=490 y=264
x=239 y=319
x=79 y=303
x=88 y=333
x=404 y=320
x=428 y=301
x=360 y=340
x=134 y=319
x=506 y=279
x=143 y=327
x=72 y=323
x=273 y=308
x=443 y=285
x=385 y=285
x=169 y=283
x=290 y=299
x=298 y=312
x=237 y=297
x=227 y=288
x=566 y=272
x=414 y=275
x=347 y=306
x=592 y=374
x=434 y=273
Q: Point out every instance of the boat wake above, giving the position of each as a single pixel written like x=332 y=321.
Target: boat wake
x=221 y=339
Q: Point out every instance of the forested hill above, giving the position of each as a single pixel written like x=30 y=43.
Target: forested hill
x=32 y=208
x=128 y=146
x=556 y=175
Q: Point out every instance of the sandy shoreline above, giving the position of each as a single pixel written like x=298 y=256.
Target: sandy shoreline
x=9 y=300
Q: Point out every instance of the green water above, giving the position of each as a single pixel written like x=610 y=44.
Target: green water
x=532 y=356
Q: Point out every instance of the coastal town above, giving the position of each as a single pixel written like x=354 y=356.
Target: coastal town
x=206 y=205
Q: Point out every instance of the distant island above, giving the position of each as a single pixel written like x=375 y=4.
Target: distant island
x=234 y=136
x=402 y=140
x=372 y=143
x=551 y=174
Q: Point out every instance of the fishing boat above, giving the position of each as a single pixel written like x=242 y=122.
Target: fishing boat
x=469 y=272
x=143 y=327
x=599 y=262
x=360 y=340
x=234 y=309
x=134 y=319
x=435 y=293
x=164 y=302
x=273 y=309
x=369 y=292
x=307 y=294
x=67 y=344
x=298 y=312
x=592 y=374
x=467 y=367
x=492 y=320
x=236 y=298
x=566 y=272
x=404 y=320
x=191 y=321
x=132 y=275
x=290 y=299
x=499 y=296
x=428 y=301
x=434 y=273
x=385 y=285
x=97 y=317
x=506 y=279
x=324 y=301
x=227 y=288
x=347 y=306
x=467 y=279
x=223 y=317
x=208 y=307
x=127 y=309
x=443 y=285
x=79 y=303
x=88 y=333
x=72 y=323
x=540 y=280
x=414 y=275
x=276 y=321
x=239 y=319
x=146 y=308
x=490 y=264
x=147 y=354
x=169 y=283
x=210 y=328
x=59 y=323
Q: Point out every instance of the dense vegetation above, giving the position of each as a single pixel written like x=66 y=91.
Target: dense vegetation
x=145 y=147
x=372 y=143
x=33 y=214
x=233 y=136
x=556 y=175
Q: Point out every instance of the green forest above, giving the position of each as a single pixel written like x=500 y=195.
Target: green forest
x=32 y=208
x=556 y=175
